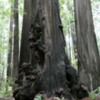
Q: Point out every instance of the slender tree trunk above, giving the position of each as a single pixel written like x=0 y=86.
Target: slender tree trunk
x=3 y=63
x=16 y=40
x=9 y=68
x=1 y=68
x=74 y=39
x=88 y=54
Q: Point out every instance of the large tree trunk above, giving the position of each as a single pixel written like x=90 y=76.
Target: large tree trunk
x=52 y=68
x=16 y=40
x=88 y=54
x=46 y=72
x=25 y=50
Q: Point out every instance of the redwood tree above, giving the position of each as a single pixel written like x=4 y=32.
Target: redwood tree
x=48 y=71
x=25 y=50
x=48 y=47
x=9 y=68
x=16 y=40
x=88 y=55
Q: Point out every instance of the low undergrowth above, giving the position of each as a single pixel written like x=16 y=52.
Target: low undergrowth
x=7 y=92
x=6 y=88
x=95 y=93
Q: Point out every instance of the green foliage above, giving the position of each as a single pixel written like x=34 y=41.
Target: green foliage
x=96 y=19
x=67 y=17
x=6 y=13
x=21 y=8
x=96 y=91
x=94 y=94
x=6 y=88
x=39 y=97
x=42 y=96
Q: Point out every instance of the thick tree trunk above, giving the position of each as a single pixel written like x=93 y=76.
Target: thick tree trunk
x=25 y=50
x=52 y=68
x=16 y=40
x=88 y=54
x=49 y=71
x=48 y=47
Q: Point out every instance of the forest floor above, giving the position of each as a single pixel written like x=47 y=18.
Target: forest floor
x=87 y=98
x=7 y=99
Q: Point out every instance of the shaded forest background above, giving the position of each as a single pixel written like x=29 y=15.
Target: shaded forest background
x=11 y=23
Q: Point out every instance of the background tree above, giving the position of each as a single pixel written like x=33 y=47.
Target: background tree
x=11 y=31
x=88 y=54
x=16 y=40
x=68 y=21
x=5 y=15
